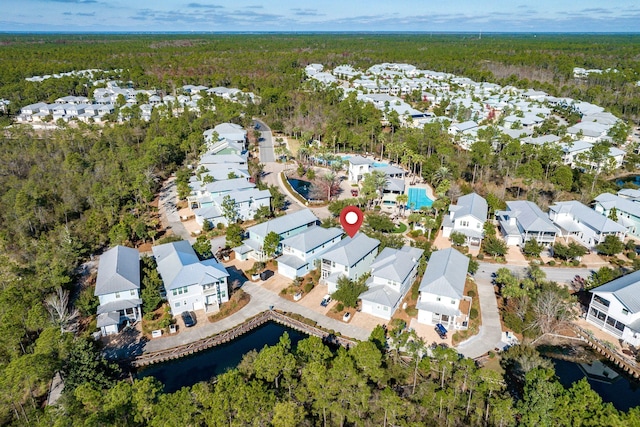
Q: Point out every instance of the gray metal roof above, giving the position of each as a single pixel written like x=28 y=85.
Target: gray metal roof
x=588 y=216
x=221 y=159
x=244 y=195
x=626 y=289
x=436 y=307
x=312 y=238
x=108 y=319
x=359 y=160
x=229 y=185
x=119 y=270
x=471 y=204
x=179 y=266
x=118 y=305
x=382 y=295
x=608 y=201
x=446 y=274
x=350 y=250
x=395 y=184
x=291 y=261
x=284 y=223
x=396 y=264
x=530 y=216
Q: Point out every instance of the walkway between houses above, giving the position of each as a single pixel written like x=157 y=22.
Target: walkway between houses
x=168 y=210
x=261 y=300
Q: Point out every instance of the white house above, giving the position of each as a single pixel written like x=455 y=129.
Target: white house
x=626 y=211
x=350 y=258
x=230 y=131
x=442 y=298
x=523 y=221
x=584 y=224
x=190 y=284
x=358 y=167
x=246 y=202
x=300 y=251
x=285 y=226
x=392 y=274
x=467 y=216
x=118 y=288
x=615 y=308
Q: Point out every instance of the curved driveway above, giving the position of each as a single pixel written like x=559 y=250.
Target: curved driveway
x=490 y=333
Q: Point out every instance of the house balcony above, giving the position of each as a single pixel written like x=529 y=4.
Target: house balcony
x=600 y=307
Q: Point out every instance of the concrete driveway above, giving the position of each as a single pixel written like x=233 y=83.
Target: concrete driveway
x=491 y=330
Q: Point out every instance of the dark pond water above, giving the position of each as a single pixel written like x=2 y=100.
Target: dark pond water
x=301 y=186
x=620 y=391
x=204 y=365
x=634 y=179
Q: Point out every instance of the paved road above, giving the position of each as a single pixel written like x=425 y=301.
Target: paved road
x=261 y=300
x=265 y=143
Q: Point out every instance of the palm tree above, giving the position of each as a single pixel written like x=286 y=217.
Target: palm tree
x=401 y=201
x=441 y=174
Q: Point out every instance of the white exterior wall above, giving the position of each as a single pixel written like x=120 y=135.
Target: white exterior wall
x=358 y=171
x=118 y=296
x=185 y=301
x=615 y=311
x=426 y=317
x=471 y=221
x=377 y=310
x=286 y=271
x=352 y=272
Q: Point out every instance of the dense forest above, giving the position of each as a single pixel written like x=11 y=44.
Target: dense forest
x=70 y=193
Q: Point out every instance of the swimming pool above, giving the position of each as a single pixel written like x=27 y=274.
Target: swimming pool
x=418 y=199
x=380 y=165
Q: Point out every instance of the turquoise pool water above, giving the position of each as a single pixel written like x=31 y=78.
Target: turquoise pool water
x=418 y=199
x=380 y=165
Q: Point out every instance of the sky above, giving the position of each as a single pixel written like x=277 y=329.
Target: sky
x=322 y=15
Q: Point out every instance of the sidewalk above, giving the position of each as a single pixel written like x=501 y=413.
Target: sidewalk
x=261 y=300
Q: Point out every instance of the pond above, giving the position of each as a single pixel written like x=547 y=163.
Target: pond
x=611 y=385
x=204 y=365
x=301 y=186
x=633 y=179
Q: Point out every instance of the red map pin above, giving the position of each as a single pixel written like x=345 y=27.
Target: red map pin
x=351 y=219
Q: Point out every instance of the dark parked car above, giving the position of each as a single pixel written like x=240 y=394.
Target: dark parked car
x=266 y=274
x=441 y=330
x=188 y=318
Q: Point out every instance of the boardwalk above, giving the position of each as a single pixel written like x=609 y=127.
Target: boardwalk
x=226 y=336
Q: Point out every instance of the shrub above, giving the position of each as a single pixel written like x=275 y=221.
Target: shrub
x=551 y=263
x=339 y=307
x=480 y=256
x=308 y=287
x=411 y=311
x=631 y=255
x=473 y=314
x=220 y=226
x=415 y=233
x=471 y=294
x=575 y=262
